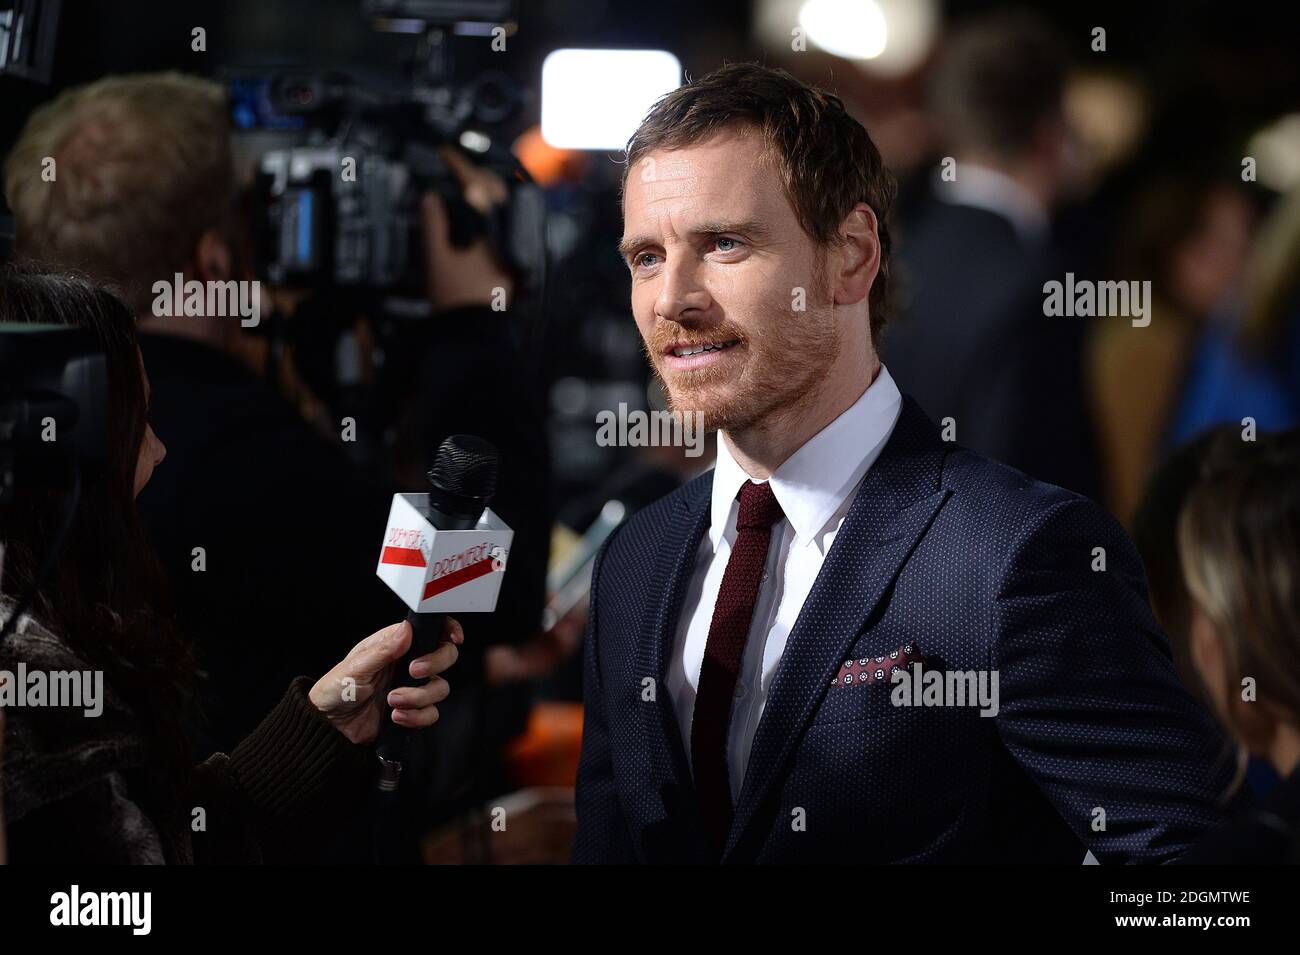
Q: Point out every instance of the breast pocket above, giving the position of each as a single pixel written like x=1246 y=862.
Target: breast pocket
x=862 y=685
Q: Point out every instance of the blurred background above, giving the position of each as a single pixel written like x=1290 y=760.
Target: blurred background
x=1110 y=141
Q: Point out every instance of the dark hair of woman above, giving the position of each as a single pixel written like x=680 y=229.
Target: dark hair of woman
x=106 y=596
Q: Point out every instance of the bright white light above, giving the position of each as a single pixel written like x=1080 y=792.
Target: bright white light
x=595 y=99
x=911 y=27
x=854 y=29
x=1276 y=149
x=475 y=141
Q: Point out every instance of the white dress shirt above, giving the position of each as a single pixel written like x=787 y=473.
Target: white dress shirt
x=814 y=487
x=983 y=188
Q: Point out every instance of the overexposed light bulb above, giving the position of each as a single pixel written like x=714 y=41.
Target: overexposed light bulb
x=853 y=29
x=595 y=99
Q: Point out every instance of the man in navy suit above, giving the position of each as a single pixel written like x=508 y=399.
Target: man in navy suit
x=852 y=641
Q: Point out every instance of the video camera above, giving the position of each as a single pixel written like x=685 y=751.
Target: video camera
x=342 y=208
x=53 y=415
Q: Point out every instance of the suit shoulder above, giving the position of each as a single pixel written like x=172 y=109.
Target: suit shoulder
x=998 y=496
x=1006 y=521
x=644 y=528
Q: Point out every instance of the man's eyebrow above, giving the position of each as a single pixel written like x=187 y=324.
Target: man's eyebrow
x=627 y=246
x=749 y=227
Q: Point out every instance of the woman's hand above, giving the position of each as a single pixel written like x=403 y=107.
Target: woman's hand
x=352 y=695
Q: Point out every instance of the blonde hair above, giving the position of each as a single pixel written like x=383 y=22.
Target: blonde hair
x=1239 y=545
x=142 y=168
x=1271 y=280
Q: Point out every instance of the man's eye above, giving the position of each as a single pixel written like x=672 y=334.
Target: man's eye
x=735 y=244
x=640 y=257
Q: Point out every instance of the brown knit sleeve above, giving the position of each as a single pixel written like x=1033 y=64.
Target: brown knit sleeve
x=287 y=781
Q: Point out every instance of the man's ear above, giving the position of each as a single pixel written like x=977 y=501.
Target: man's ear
x=212 y=258
x=858 y=256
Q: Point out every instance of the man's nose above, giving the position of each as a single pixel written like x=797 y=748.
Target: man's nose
x=682 y=294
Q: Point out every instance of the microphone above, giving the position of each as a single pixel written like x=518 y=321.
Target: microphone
x=440 y=553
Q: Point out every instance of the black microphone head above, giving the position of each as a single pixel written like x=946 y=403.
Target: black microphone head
x=466 y=467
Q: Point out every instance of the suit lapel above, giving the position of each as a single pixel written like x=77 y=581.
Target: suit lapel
x=894 y=506
x=674 y=565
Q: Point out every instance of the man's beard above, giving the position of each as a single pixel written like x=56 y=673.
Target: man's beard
x=789 y=354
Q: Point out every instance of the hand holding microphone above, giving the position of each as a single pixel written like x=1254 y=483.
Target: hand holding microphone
x=355 y=693
x=444 y=551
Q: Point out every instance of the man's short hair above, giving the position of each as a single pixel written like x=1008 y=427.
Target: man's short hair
x=826 y=159
x=142 y=168
x=999 y=79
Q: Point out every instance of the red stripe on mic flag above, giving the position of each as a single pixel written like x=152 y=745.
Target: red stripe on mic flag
x=457 y=577
x=405 y=556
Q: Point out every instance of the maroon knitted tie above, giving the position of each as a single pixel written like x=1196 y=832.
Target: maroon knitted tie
x=728 y=632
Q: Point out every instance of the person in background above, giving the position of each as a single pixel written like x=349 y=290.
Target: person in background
x=1155 y=532
x=122 y=787
x=970 y=338
x=1246 y=361
x=1189 y=238
x=1239 y=546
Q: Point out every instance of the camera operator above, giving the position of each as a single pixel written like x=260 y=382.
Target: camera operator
x=118 y=785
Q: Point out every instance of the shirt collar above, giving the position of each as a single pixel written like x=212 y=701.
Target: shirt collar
x=815 y=481
x=983 y=188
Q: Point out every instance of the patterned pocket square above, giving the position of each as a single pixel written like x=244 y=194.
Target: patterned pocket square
x=875 y=669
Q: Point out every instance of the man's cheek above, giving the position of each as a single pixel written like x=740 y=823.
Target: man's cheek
x=643 y=312
x=726 y=288
x=644 y=326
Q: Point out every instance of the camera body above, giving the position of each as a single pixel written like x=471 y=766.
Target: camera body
x=53 y=405
x=339 y=215
x=340 y=207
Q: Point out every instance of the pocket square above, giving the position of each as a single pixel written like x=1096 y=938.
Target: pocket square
x=877 y=669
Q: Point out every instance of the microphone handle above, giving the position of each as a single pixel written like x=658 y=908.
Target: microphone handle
x=426 y=636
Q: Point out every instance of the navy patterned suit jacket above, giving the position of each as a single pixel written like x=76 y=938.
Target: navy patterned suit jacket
x=1095 y=743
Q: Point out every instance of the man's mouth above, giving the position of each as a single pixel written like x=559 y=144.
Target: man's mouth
x=688 y=351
